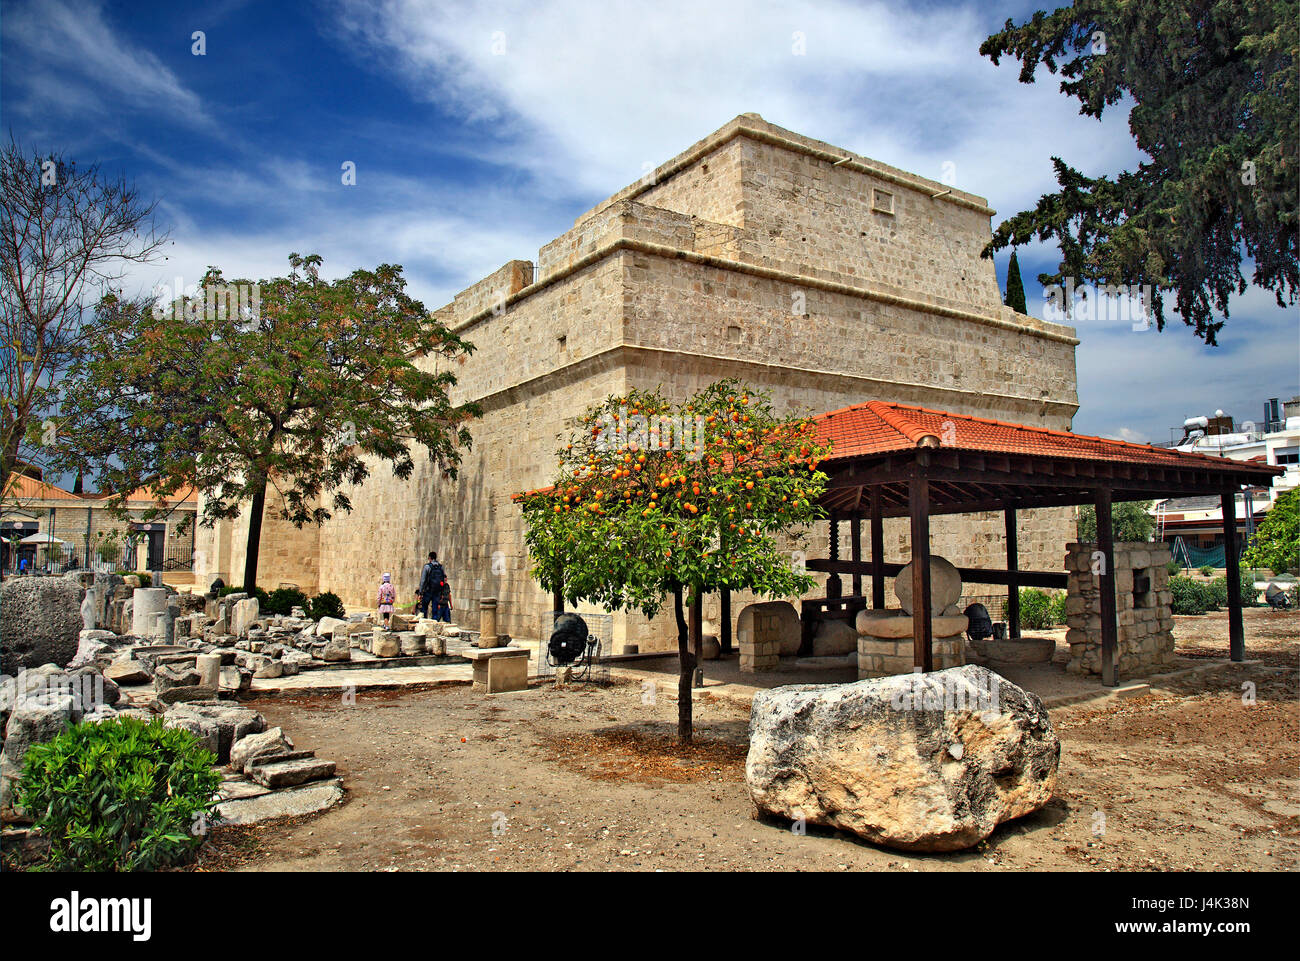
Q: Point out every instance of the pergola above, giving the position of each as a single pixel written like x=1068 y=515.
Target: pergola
x=894 y=460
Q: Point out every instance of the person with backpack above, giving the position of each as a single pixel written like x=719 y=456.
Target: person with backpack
x=428 y=592
x=387 y=598
x=442 y=604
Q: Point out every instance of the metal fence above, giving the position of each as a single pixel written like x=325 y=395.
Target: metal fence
x=593 y=666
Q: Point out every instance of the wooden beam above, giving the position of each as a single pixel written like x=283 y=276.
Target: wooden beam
x=877 y=552
x=1013 y=568
x=969 y=575
x=855 y=539
x=1236 y=632
x=919 y=502
x=1109 y=619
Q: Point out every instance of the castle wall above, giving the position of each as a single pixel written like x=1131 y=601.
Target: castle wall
x=743 y=257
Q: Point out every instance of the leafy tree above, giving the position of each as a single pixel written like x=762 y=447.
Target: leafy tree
x=651 y=501
x=1015 y=286
x=1276 y=544
x=1213 y=89
x=1129 y=521
x=295 y=383
x=67 y=234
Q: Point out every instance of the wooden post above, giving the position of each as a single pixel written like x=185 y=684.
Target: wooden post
x=724 y=601
x=918 y=502
x=1109 y=622
x=855 y=541
x=1013 y=582
x=1236 y=632
x=834 y=586
x=877 y=552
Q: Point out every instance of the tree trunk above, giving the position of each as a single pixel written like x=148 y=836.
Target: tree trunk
x=254 y=536
x=687 y=673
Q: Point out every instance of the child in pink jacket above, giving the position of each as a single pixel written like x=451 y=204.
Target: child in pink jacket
x=387 y=597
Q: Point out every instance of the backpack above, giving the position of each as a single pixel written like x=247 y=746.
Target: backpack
x=431 y=578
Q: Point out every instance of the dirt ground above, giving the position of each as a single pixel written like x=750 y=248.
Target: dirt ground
x=1197 y=774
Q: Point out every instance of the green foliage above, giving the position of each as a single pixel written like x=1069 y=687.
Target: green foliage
x=1211 y=87
x=121 y=795
x=283 y=600
x=1040 y=610
x=1218 y=593
x=1205 y=570
x=1129 y=521
x=325 y=604
x=1190 y=596
x=303 y=386
x=1174 y=568
x=1276 y=544
x=263 y=599
x=1249 y=592
x=628 y=521
x=1015 y=298
x=146 y=579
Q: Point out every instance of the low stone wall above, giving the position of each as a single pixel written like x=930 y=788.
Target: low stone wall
x=1146 y=623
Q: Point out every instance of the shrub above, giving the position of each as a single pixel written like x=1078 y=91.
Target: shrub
x=1174 y=568
x=262 y=597
x=1249 y=592
x=1190 y=597
x=1218 y=593
x=1205 y=570
x=146 y=579
x=121 y=795
x=283 y=600
x=325 y=604
x=1040 y=610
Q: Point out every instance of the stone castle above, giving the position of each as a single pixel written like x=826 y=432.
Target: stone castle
x=819 y=275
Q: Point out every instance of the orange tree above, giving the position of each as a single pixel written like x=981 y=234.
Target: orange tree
x=652 y=501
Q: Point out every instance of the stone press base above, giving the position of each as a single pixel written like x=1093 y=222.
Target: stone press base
x=884 y=656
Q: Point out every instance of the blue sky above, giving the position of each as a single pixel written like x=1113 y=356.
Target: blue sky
x=480 y=131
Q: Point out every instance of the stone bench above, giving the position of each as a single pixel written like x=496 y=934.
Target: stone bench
x=499 y=670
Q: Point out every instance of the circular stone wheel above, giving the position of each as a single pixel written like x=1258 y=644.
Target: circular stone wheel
x=945 y=586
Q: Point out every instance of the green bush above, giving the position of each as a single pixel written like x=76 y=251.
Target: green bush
x=262 y=597
x=1205 y=570
x=326 y=604
x=146 y=579
x=1218 y=592
x=1190 y=597
x=1249 y=592
x=1174 y=568
x=283 y=600
x=1040 y=610
x=121 y=795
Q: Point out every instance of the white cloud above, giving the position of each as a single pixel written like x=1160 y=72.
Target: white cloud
x=79 y=67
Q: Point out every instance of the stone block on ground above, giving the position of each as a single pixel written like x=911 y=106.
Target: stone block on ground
x=40 y=622
x=917 y=762
x=835 y=639
x=254 y=746
x=286 y=770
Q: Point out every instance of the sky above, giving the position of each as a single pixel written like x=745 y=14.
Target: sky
x=478 y=132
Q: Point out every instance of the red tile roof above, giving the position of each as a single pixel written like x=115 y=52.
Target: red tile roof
x=23 y=487
x=877 y=427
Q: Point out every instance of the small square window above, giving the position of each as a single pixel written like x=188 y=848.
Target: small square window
x=882 y=201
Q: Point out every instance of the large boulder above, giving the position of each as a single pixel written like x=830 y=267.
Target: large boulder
x=40 y=622
x=929 y=762
x=38 y=718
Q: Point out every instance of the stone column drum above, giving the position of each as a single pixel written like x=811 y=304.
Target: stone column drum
x=487 y=622
x=147 y=604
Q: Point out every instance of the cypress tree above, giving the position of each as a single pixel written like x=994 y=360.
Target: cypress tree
x=1015 y=298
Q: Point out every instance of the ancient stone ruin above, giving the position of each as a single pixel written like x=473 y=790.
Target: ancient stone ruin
x=1142 y=601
